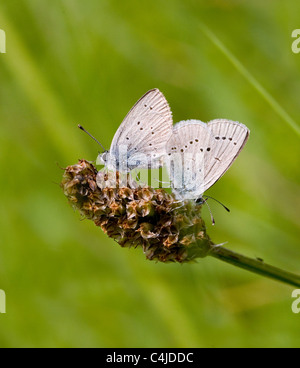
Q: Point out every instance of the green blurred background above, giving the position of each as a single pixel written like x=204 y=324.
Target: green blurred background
x=72 y=61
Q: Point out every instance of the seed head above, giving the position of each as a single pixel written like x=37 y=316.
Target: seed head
x=135 y=216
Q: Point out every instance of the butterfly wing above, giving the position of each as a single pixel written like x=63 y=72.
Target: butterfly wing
x=205 y=151
x=229 y=138
x=145 y=130
x=185 y=157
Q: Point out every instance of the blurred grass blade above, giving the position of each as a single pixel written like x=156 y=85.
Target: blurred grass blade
x=32 y=81
x=253 y=81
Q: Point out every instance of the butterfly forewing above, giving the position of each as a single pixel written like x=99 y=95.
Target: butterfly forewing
x=228 y=139
x=146 y=128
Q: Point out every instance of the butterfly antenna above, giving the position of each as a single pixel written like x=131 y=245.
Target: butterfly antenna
x=226 y=208
x=211 y=215
x=96 y=140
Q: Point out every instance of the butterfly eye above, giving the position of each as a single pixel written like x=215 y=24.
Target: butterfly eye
x=104 y=156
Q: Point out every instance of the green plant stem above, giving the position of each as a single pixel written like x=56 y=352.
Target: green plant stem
x=254 y=265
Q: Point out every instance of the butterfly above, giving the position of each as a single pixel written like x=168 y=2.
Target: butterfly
x=140 y=141
x=199 y=154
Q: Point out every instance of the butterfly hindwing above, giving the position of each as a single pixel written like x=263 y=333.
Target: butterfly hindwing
x=186 y=157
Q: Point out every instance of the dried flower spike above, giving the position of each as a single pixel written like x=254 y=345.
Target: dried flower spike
x=151 y=218
x=138 y=216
